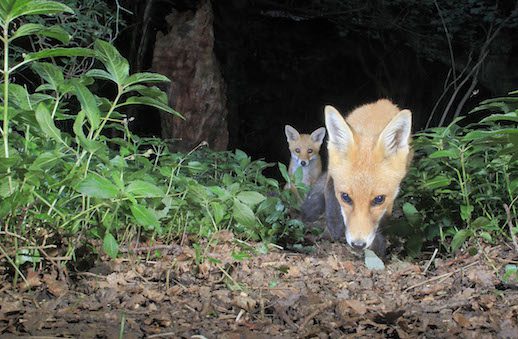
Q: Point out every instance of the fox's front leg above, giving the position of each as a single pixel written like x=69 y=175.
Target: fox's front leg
x=335 y=221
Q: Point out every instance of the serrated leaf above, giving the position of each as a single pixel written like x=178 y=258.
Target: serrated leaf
x=59 y=52
x=115 y=64
x=144 y=189
x=146 y=78
x=243 y=214
x=12 y=9
x=251 y=198
x=372 y=261
x=110 y=245
x=88 y=104
x=150 y=102
x=144 y=217
x=47 y=124
x=100 y=74
x=95 y=186
x=50 y=73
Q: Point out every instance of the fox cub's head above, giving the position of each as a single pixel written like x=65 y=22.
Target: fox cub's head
x=304 y=147
x=368 y=158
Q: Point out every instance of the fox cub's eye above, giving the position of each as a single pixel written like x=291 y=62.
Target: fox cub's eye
x=378 y=200
x=310 y=151
x=297 y=150
x=347 y=199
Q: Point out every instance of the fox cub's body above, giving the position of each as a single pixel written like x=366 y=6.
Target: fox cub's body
x=369 y=152
x=305 y=153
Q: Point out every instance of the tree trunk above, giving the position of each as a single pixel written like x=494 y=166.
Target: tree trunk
x=186 y=56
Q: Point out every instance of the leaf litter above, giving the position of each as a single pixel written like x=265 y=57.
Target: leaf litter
x=215 y=293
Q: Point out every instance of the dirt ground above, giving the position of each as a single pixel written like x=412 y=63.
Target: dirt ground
x=217 y=294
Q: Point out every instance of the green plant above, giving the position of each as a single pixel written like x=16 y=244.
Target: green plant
x=461 y=178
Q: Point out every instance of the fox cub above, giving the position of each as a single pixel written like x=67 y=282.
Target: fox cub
x=369 y=153
x=305 y=153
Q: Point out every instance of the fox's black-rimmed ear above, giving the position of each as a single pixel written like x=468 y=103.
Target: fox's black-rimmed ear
x=318 y=135
x=396 y=135
x=340 y=134
x=291 y=133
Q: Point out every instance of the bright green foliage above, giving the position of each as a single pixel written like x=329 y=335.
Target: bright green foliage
x=62 y=175
x=461 y=178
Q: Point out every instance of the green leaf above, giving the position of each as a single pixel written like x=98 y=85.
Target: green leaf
x=144 y=217
x=95 y=186
x=88 y=104
x=59 y=52
x=480 y=222
x=19 y=96
x=100 y=74
x=110 y=245
x=146 y=78
x=47 y=124
x=284 y=172
x=115 y=64
x=243 y=214
x=144 y=189
x=218 y=211
x=150 y=102
x=437 y=182
x=486 y=236
x=12 y=9
x=411 y=213
x=251 y=198
x=445 y=153
x=55 y=32
x=50 y=73
x=372 y=261
x=459 y=238
x=465 y=212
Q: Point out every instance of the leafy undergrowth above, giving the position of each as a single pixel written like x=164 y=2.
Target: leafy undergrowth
x=279 y=294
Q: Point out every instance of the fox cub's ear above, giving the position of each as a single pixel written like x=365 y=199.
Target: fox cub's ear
x=318 y=135
x=291 y=133
x=396 y=136
x=340 y=134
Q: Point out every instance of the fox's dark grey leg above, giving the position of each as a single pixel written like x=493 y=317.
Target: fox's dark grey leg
x=335 y=222
x=314 y=205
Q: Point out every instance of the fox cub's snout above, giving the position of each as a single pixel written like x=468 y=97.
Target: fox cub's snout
x=305 y=152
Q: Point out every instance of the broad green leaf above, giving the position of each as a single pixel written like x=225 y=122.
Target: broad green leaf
x=480 y=222
x=150 y=102
x=55 y=32
x=100 y=74
x=115 y=64
x=50 y=73
x=243 y=214
x=144 y=189
x=90 y=145
x=144 y=217
x=459 y=238
x=19 y=96
x=445 y=153
x=59 y=52
x=486 y=236
x=437 y=182
x=12 y=9
x=218 y=211
x=465 y=212
x=47 y=124
x=88 y=104
x=411 y=213
x=513 y=186
x=110 y=245
x=284 y=172
x=251 y=198
x=372 y=261
x=146 y=78
x=95 y=186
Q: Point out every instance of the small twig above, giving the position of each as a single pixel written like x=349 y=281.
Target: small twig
x=510 y=224
x=439 y=277
x=322 y=307
x=430 y=261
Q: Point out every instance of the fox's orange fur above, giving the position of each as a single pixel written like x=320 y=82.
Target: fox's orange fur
x=369 y=152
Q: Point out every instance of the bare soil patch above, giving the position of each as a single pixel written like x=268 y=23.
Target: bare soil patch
x=326 y=294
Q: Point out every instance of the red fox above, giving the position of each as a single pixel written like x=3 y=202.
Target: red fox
x=305 y=153
x=369 y=153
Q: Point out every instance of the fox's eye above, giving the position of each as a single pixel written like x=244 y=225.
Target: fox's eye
x=310 y=151
x=347 y=199
x=297 y=150
x=378 y=200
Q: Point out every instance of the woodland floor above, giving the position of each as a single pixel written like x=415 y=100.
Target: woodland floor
x=325 y=294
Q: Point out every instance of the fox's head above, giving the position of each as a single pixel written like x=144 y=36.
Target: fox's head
x=368 y=158
x=304 y=147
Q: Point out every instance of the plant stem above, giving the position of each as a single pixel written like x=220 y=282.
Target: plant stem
x=5 y=128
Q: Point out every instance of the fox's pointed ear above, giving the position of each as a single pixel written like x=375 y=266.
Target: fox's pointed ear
x=318 y=135
x=340 y=134
x=396 y=135
x=291 y=133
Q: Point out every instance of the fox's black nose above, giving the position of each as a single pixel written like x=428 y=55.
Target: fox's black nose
x=303 y=163
x=359 y=244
